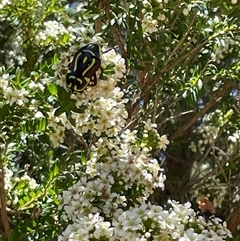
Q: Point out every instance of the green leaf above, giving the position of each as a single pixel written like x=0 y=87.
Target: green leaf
x=18 y=76
x=55 y=59
x=83 y=159
x=4 y=112
x=59 y=111
x=52 y=89
x=44 y=138
x=69 y=116
x=130 y=77
x=92 y=10
x=54 y=171
x=139 y=67
x=34 y=73
x=34 y=125
x=10 y=237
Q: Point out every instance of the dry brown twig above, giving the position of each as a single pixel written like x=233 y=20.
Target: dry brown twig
x=210 y=104
x=234 y=218
x=98 y=21
x=167 y=66
x=105 y=5
x=3 y=204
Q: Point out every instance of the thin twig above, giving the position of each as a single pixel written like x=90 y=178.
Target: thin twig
x=4 y=216
x=179 y=45
x=197 y=170
x=198 y=182
x=166 y=65
x=155 y=107
x=98 y=21
x=210 y=104
x=106 y=6
x=174 y=117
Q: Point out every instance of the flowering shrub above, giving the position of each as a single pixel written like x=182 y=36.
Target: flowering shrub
x=93 y=201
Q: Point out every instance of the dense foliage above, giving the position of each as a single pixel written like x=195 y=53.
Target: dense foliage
x=126 y=159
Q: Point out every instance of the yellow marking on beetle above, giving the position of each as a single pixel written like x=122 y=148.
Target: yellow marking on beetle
x=89 y=51
x=85 y=59
x=87 y=79
x=98 y=73
x=99 y=52
x=89 y=67
x=76 y=61
x=79 y=80
x=75 y=88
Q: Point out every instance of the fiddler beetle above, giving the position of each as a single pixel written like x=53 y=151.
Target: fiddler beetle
x=85 y=69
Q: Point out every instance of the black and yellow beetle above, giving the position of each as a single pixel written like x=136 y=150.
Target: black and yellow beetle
x=85 y=68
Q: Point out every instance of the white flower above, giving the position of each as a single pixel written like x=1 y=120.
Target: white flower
x=52 y=29
x=39 y=114
x=15 y=96
x=57 y=137
x=120 y=68
x=161 y=17
x=4 y=82
x=4 y=2
x=185 y=11
x=146 y=4
x=163 y=142
x=149 y=24
x=8 y=174
x=193 y=147
x=31 y=182
x=33 y=85
x=189 y=235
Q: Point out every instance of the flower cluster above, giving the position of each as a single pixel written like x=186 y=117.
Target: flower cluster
x=104 y=112
x=16 y=55
x=224 y=46
x=109 y=183
x=148 y=222
x=152 y=23
x=128 y=142
x=149 y=24
x=4 y=3
x=8 y=174
x=57 y=129
x=211 y=229
x=219 y=189
x=209 y=130
x=106 y=191
x=52 y=31
x=10 y=94
x=30 y=181
x=151 y=139
x=14 y=185
x=87 y=228
x=208 y=133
